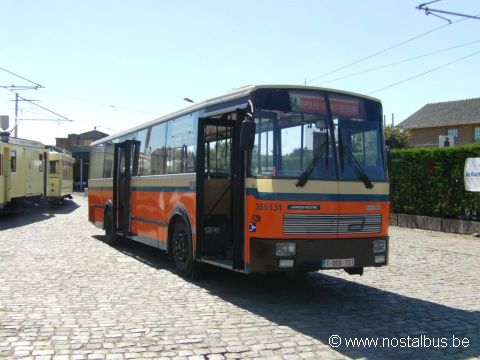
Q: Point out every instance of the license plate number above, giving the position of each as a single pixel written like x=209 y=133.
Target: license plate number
x=338 y=263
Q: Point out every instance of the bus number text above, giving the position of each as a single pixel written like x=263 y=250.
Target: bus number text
x=268 y=207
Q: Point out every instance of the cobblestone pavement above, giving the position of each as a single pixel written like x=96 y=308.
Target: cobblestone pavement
x=64 y=294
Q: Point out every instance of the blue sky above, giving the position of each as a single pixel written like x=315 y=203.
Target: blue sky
x=148 y=55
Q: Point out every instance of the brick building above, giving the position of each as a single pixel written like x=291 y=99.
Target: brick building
x=79 y=146
x=459 y=119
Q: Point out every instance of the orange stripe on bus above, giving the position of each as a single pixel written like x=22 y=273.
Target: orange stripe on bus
x=150 y=205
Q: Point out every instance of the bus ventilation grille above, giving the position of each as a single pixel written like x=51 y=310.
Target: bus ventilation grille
x=325 y=224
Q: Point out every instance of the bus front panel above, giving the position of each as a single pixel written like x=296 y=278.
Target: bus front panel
x=317 y=194
x=311 y=229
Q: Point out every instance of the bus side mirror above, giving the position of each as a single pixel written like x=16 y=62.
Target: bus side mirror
x=247 y=135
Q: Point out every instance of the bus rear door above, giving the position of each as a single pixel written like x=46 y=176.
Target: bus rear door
x=125 y=166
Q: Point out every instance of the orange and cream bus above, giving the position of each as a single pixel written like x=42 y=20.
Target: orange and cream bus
x=264 y=178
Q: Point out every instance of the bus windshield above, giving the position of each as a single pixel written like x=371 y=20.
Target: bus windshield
x=316 y=135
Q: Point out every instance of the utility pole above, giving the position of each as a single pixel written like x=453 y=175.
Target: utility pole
x=15 y=128
x=20 y=98
x=17 y=99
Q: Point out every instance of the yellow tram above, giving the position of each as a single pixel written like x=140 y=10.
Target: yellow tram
x=60 y=175
x=22 y=172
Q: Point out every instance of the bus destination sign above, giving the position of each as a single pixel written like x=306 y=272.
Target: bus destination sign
x=340 y=106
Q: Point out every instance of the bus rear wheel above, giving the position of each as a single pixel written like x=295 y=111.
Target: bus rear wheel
x=182 y=249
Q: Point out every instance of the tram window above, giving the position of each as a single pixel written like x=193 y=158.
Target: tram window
x=13 y=161
x=53 y=166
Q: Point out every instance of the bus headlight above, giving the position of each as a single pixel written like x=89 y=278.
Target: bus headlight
x=380 y=259
x=285 y=249
x=379 y=245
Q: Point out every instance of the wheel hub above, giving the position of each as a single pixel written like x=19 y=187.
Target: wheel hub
x=181 y=250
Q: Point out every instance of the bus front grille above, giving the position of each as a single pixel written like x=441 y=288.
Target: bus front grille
x=327 y=224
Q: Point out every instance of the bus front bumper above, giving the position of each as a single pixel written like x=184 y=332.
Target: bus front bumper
x=313 y=255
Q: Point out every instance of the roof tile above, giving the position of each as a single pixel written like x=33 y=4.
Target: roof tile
x=444 y=114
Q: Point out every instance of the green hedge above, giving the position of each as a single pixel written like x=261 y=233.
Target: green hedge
x=429 y=182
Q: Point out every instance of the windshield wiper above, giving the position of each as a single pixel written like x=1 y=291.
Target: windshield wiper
x=302 y=180
x=358 y=168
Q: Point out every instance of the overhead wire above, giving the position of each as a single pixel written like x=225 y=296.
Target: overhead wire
x=64 y=118
x=39 y=86
x=99 y=103
x=397 y=62
x=39 y=111
x=71 y=120
x=21 y=77
x=44 y=108
x=382 y=51
x=424 y=73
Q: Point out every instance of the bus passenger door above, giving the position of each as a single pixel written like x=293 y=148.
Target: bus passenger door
x=216 y=190
x=125 y=166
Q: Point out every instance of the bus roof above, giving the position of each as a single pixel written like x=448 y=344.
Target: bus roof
x=232 y=95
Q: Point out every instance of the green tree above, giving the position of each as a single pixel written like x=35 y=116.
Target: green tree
x=396 y=138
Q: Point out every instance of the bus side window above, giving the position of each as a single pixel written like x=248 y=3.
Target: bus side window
x=218 y=146
x=108 y=160
x=155 y=153
x=96 y=162
x=181 y=145
x=143 y=160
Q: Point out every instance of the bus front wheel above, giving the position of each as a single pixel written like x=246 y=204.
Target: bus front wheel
x=182 y=250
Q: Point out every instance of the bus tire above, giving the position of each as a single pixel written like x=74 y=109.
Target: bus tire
x=182 y=249
x=110 y=237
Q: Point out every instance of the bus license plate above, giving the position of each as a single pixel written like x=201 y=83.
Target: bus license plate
x=338 y=263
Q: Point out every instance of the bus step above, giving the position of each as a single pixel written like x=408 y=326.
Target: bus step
x=224 y=263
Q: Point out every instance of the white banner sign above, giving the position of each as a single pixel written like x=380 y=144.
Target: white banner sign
x=472 y=174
